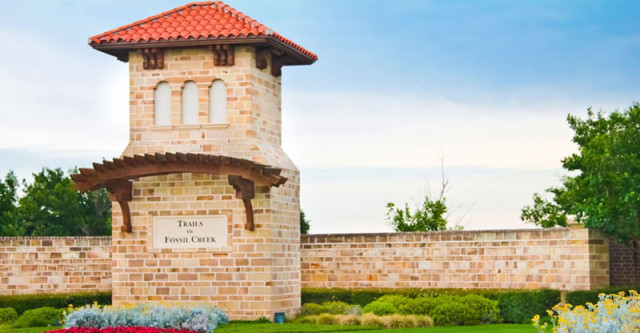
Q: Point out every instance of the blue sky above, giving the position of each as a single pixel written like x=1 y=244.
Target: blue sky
x=487 y=84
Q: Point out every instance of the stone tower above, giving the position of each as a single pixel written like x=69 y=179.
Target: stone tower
x=208 y=202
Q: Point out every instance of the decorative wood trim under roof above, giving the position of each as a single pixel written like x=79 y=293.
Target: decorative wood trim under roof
x=116 y=176
x=130 y=167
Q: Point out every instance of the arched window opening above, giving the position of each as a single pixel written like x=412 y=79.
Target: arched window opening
x=218 y=102
x=162 y=104
x=190 y=102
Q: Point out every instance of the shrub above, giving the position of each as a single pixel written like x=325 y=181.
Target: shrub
x=40 y=317
x=328 y=319
x=398 y=321
x=369 y=319
x=482 y=310
x=337 y=308
x=321 y=295
x=340 y=308
x=516 y=306
x=119 y=330
x=592 y=296
x=380 y=308
x=409 y=321
x=364 y=297
x=22 y=303
x=423 y=321
x=307 y=320
x=7 y=315
x=261 y=320
x=485 y=309
x=311 y=309
x=420 y=306
x=397 y=301
x=351 y=320
x=199 y=319
x=454 y=313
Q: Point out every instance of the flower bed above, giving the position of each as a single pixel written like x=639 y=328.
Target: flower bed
x=202 y=319
x=120 y=330
x=614 y=313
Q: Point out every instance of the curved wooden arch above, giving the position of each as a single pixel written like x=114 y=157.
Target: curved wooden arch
x=136 y=166
x=116 y=176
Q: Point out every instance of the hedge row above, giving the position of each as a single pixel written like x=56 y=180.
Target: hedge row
x=516 y=306
x=22 y=303
x=581 y=297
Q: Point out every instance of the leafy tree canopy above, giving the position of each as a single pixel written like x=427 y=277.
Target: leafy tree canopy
x=50 y=206
x=8 y=199
x=605 y=193
x=430 y=214
x=304 y=224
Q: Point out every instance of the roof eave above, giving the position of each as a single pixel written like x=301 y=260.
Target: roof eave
x=118 y=49
x=304 y=59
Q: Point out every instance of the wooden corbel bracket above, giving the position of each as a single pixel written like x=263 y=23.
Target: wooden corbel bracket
x=152 y=58
x=261 y=58
x=122 y=192
x=223 y=55
x=276 y=60
x=245 y=190
x=276 y=65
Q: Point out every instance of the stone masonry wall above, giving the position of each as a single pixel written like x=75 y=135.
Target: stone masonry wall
x=567 y=259
x=36 y=265
x=260 y=270
x=556 y=258
x=253 y=108
x=624 y=261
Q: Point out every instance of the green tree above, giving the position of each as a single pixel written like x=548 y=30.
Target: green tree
x=430 y=213
x=8 y=204
x=605 y=193
x=304 y=224
x=50 y=206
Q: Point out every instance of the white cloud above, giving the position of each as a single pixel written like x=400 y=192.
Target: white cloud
x=56 y=101
x=354 y=200
x=364 y=130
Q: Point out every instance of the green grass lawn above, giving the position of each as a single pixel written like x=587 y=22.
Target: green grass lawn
x=304 y=328
x=4 y=329
x=287 y=328
x=502 y=328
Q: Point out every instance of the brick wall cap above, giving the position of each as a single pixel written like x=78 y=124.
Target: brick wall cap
x=438 y=232
x=54 y=237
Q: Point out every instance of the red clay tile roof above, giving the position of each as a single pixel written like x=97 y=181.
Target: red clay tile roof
x=193 y=21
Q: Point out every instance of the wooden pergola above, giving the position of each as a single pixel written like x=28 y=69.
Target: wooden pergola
x=117 y=175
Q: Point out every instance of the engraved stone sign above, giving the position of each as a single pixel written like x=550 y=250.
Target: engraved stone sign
x=188 y=232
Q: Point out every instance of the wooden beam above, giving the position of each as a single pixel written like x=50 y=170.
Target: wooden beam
x=122 y=192
x=116 y=176
x=276 y=65
x=245 y=190
x=223 y=54
x=261 y=57
x=152 y=58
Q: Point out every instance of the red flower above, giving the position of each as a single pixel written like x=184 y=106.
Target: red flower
x=120 y=330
